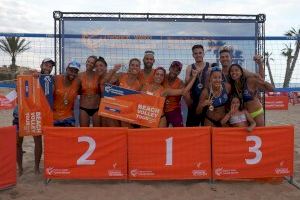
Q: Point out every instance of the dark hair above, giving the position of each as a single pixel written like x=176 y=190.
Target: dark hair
x=231 y=81
x=197 y=46
x=214 y=65
x=134 y=59
x=237 y=65
x=92 y=56
x=101 y=59
x=160 y=68
x=241 y=107
x=225 y=51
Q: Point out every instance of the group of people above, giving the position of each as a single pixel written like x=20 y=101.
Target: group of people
x=215 y=96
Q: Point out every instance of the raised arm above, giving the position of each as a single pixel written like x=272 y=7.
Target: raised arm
x=187 y=74
x=261 y=72
x=111 y=76
x=204 y=101
x=182 y=91
x=258 y=59
x=264 y=85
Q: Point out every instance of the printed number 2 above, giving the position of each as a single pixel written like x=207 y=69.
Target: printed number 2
x=83 y=160
x=169 y=151
x=254 y=149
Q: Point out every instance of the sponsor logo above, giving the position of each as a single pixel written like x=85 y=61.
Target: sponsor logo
x=136 y=172
x=54 y=171
x=47 y=80
x=112 y=109
x=198 y=171
x=110 y=89
x=221 y=171
x=281 y=169
x=115 y=171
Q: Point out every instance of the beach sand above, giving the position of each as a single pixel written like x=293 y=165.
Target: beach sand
x=32 y=187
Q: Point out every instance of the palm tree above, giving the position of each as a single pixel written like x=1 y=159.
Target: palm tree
x=14 y=46
x=268 y=58
x=215 y=47
x=288 y=53
x=293 y=58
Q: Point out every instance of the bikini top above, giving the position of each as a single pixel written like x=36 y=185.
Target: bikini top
x=246 y=93
x=238 y=119
x=220 y=100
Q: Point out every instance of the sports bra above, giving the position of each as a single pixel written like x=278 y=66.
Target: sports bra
x=90 y=87
x=123 y=83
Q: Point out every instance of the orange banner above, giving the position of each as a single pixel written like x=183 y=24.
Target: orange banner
x=277 y=102
x=6 y=104
x=161 y=154
x=8 y=176
x=131 y=106
x=265 y=152
x=85 y=153
x=35 y=100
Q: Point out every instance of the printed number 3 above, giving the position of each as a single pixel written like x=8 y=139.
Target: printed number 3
x=254 y=149
x=83 y=160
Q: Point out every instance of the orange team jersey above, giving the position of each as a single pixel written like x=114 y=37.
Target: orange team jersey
x=123 y=82
x=148 y=90
x=146 y=80
x=172 y=102
x=64 y=97
x=89 y=87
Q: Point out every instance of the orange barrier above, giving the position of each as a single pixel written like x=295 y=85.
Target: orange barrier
x=277 y=102
x=168 y=154
x=85 y=153
x=265 y=152
x=35 y=98
x=131 y=106
x=7 y=157
x=177 y=153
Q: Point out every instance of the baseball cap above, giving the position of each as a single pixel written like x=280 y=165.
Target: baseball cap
x=74 y=64
x=48 y=60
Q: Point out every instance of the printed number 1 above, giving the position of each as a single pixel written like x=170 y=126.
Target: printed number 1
x=83 y=160
x=169 y=151
x=254 y=149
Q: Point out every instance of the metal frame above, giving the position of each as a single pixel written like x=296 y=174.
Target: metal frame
x=59 y=18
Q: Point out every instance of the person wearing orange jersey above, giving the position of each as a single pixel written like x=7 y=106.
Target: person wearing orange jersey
x=157 y=88
x=65 y=92
x=46 y=68
x=146 y=74
x=127 y=80
x=89 y=95
x=101 y=71
x=172 y=106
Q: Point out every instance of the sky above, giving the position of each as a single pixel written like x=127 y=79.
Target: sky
x=35 y=16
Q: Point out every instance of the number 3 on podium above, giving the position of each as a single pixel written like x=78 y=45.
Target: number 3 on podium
x=254 y=149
